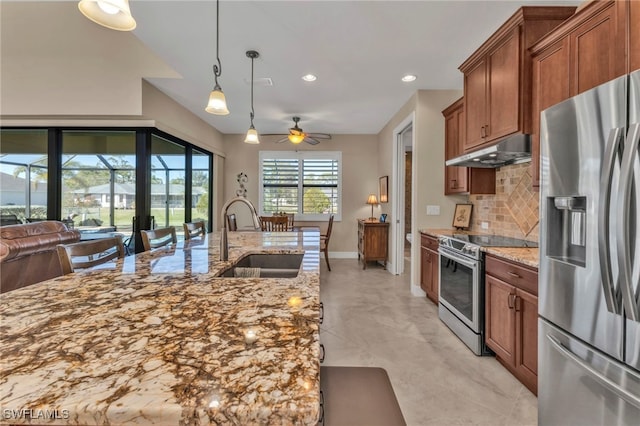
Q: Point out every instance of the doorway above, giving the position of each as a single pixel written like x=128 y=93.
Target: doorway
x=402 y=197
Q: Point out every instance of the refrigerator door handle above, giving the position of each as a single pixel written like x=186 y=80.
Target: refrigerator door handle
x=604 y=250
x=595 y=374
x=622 y=235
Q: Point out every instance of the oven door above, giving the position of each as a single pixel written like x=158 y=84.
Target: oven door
x=460 y=287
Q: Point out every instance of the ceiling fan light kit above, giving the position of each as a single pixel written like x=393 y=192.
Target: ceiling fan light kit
x=113 y=14
x=252 y=133
x=296 y=135
x=217 y=102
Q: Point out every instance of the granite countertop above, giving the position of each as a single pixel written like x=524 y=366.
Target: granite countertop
x=528 y=256
x=159 y=339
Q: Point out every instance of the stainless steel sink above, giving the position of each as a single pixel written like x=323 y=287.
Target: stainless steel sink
x=271 y=265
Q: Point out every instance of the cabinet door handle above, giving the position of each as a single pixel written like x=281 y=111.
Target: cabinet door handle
x=321 y=353
x=455 y=183
x=513 y=274
x=511 y=301
x=486 y=130
x=482 y=135
x=518 y=303
x=321 y=312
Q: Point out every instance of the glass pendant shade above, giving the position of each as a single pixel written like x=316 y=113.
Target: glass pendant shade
x=217 y=103
x=296 y=138
x=252 y=136
x=113 y=14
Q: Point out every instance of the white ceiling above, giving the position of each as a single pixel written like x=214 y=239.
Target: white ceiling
x=358 y=49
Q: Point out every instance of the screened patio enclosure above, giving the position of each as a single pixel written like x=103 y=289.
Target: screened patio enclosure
x=104 y=178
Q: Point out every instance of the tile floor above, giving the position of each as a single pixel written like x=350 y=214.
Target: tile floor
x=371 y=319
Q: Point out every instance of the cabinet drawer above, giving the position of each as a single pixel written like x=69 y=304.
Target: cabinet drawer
x=512 y=273
x=429 y=242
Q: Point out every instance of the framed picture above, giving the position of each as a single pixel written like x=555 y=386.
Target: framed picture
x=384 y=189
x=462 y=215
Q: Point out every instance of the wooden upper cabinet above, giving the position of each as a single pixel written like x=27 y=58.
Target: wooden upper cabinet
x=503 y=89
x=462 y=180
x=497 y=77
x=550 y=86
x=597 y=50
x=585 y=51
x=455 y=177
x=475 y=101
x=634 y=35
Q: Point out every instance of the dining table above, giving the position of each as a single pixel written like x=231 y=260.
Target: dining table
x=163 y=338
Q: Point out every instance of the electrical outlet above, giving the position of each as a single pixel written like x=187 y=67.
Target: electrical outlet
x=433 y=210
x=484 y=225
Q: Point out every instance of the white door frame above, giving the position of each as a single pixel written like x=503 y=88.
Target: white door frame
x=397 y=195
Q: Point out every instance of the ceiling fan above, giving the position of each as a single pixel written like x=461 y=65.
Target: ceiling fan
x=296 y=135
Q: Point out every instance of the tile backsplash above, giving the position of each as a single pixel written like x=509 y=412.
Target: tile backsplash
x=513 y=210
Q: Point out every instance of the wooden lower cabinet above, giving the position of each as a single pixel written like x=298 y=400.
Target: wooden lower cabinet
x=511 y=318
x=429 y=267
x=373 y=242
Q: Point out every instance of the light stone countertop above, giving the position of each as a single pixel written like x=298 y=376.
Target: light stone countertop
x=526 y=255
x=159 y=339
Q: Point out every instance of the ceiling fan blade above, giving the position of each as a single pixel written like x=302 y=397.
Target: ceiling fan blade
x=285 y=139
x=319 y=135
x=311 y=141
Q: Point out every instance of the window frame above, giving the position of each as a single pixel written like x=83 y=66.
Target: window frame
x=302 y=155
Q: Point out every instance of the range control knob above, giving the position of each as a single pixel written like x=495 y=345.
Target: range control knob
x=471 y=250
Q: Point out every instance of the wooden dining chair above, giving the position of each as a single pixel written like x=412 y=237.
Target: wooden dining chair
x=324 y=241
x=274 y=223
x=232 y=223
x=194 y=229
x=87 y=254
x=156 y=238
x=290 y=221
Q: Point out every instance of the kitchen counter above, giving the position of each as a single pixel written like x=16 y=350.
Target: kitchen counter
x=160 y=340
x=526 y=255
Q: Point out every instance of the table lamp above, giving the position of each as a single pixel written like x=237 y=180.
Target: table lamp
x=373 y=200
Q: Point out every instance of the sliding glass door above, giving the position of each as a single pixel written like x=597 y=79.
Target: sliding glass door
x=99 y=179
x=23 y=174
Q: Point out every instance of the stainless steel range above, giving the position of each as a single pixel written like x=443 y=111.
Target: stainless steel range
x=462 y=284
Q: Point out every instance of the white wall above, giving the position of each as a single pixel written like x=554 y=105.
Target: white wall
x=47 y=69
x=428 y=165
x=359 y=179
x=50 y=76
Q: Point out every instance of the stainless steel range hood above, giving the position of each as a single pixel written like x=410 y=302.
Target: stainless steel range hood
x=511 y=150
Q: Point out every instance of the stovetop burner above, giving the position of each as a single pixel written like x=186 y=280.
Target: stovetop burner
x=494 y=241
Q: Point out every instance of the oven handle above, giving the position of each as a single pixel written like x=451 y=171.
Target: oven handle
x=464 y=261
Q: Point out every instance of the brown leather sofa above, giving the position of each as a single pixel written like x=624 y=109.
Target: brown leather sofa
x=28 y=252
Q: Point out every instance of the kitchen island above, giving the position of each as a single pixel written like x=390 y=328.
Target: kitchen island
x=160 y=338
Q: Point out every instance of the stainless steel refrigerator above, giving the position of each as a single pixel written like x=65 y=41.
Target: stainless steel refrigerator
x=589 y=291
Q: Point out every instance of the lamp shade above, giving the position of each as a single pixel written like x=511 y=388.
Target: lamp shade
x=113 y=14
x=217 y=102
x=372 y=199
x=252 y=136
x=296 y=138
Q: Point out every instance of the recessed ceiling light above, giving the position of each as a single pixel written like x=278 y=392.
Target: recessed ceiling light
x=409 y=78
x=309 y=77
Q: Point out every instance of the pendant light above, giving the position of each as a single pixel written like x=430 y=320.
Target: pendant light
x=113 y=14
x=252 y=133
x=217 y=102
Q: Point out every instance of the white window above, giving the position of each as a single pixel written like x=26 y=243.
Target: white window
x=307 y=183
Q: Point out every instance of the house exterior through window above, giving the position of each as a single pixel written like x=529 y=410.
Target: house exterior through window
x=308 y=184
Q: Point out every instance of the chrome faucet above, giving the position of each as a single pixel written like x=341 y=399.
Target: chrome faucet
x=224 y=241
